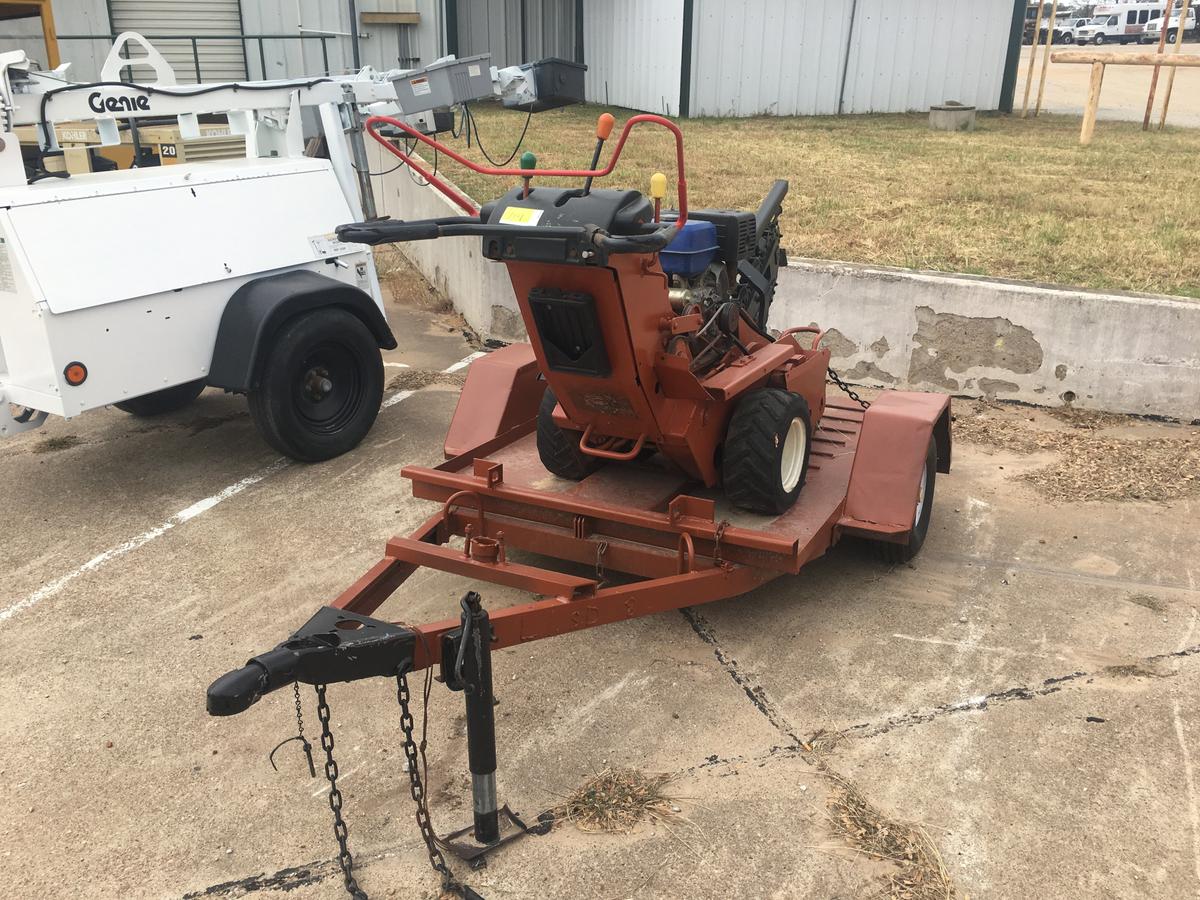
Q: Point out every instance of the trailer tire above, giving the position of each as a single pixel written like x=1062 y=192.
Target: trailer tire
x=764 y=464
x=321 y=385
x=902 y=553
x=164 y=401
x=558 y=447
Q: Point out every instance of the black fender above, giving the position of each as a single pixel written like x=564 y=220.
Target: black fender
x=258 y=309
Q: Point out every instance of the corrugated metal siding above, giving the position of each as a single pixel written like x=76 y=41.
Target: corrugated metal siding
x=218 y=60
x=786 y=57
x=911 y=54
x=494 y=26
x=770 y=57
x=633 y=51
x=380 y=46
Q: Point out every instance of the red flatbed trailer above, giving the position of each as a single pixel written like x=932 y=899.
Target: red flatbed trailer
x=687 y=546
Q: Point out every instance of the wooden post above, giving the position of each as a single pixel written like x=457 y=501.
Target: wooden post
x=1162 y=43
x=49 y=35
x=1046 y=57
x=1093 y=104
x=1037 y=34
x=1162 y=121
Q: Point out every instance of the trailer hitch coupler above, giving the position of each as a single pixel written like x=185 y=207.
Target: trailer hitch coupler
x=476 y=675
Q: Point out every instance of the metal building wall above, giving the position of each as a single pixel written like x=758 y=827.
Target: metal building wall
x=788 y=57
x=379 y=45
x=769 y=57
x=912 y=54
x=293 y=58
x=634 y=51
x=494 y=26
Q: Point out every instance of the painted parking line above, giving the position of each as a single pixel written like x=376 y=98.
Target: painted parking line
x=183 y=516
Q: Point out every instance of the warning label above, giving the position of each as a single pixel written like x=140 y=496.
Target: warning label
x=8 y=282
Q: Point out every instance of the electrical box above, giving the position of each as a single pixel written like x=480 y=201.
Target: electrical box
x=556 y=82
x=444 y=83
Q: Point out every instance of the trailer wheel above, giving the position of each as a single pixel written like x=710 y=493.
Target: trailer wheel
x=164 y=401
x=559 y=447
x=902 y=553
x=321 y=386
x=765 y=459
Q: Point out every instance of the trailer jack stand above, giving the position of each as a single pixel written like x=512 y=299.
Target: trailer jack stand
x=467 y=667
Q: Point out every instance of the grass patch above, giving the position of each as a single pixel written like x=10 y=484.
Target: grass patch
x=1014 y=199
x=51 y=445
x=616 y=800
x=919 y=873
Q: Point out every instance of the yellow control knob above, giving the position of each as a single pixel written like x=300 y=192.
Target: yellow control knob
x=658 y=185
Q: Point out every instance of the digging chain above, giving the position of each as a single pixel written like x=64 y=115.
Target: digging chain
x=849 y=391
x=340 y=832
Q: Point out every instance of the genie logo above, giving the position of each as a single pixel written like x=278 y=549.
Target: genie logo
x=101 y=104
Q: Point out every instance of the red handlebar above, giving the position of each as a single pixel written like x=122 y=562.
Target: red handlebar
x=465 y=203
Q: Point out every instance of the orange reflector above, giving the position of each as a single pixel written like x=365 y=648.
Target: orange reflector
x=75 y=373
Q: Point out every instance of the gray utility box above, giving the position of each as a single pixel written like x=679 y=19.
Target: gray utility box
x=445 y=83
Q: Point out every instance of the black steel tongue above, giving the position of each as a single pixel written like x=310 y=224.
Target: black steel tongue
x=334 y=645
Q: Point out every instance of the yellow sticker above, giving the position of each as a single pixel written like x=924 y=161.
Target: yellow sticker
x=520 y=215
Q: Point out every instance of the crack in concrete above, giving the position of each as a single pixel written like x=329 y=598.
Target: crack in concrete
x=285 y=880
x=753 y=690
x=1021 y=692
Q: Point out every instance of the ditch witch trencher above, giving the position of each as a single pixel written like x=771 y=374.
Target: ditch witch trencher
x=681 y=431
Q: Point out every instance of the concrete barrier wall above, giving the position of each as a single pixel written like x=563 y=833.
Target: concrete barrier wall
x=959 y=334
x=478 y=288
x=976 y=336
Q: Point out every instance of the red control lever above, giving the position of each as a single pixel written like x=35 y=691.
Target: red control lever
x=465 y=203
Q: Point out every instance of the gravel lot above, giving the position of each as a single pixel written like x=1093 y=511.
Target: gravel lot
x=1024 y=693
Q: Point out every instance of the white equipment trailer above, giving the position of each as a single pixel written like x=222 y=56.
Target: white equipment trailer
x=139 y=288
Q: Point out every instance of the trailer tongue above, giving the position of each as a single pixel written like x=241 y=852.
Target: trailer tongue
x=682 y=433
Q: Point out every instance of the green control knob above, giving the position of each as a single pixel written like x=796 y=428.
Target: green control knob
x=528 y=160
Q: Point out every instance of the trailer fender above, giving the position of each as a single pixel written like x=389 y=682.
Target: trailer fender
x=503 y=391
x=260 y=307
x=881 y=500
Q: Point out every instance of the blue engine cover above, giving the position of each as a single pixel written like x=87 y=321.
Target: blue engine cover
x=692 y=251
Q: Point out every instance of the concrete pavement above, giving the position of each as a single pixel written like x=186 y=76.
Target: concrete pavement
x=1026 y=689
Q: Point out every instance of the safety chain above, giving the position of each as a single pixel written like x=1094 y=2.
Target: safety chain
x=424 y=824
x=300 y=730
x=304 y=742
x=721 y=526
x=849 y=391
x=601 y=549
x=340 y=832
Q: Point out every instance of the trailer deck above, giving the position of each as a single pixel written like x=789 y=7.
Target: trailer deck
x=645 y=519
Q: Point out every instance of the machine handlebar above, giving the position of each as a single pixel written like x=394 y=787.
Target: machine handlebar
x=374 y=122
x=395 y=232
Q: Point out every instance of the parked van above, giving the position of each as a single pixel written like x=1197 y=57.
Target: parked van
x=1153 y=30
x=1064 y=29
x=1119 y=22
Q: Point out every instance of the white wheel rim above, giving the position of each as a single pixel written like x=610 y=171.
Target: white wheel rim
x=791 y=461
x=921 y=495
